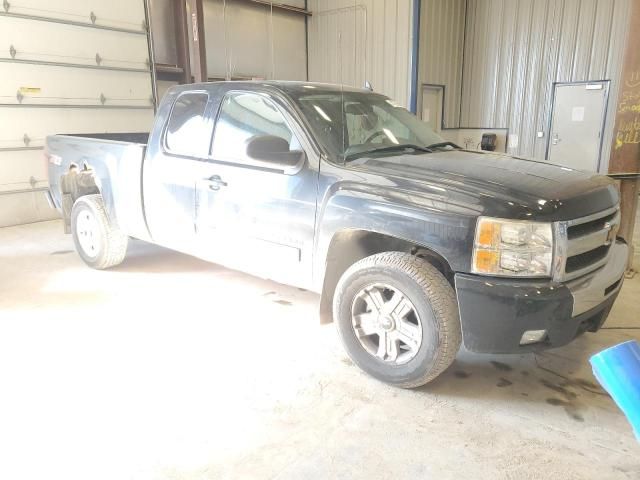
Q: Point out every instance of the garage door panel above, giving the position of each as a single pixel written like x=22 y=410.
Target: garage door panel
x=123 y=14
x=16 y=122
x=55 y=42
x=26 y=207
x=290 y=60
x=72 y=86
x=52 y=81
x=26 y=165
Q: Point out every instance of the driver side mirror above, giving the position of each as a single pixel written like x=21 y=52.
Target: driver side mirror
x=272 y=152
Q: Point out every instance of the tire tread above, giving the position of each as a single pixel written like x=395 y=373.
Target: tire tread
x=115 y=241
x=441 y=297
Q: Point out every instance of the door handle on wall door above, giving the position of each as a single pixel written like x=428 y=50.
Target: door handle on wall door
x=556 y=139
x=215 y=182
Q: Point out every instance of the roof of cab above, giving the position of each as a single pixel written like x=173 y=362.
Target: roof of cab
x=294 y=87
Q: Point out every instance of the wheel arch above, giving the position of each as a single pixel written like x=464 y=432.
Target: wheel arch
x=74 y=184
x=352 y=245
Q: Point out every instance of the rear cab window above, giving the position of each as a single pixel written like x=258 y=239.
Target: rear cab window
x=188 y=130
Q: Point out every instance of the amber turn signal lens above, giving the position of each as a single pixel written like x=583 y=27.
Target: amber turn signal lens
x=487 y=234
x=486 y=260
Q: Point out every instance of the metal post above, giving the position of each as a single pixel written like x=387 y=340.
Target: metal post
x=198 y=47
x=182 y=39
x=413 y=91
x=624 y=162
x=152 y=62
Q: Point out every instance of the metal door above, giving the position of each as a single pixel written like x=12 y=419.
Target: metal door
x=577 y=124
x=176 y=159
x=250 y=217
x=432 y=107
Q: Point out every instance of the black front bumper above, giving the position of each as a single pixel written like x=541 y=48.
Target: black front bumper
x=496 y=312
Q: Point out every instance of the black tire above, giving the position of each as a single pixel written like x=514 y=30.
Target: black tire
x=110 y=243
x=435 y=303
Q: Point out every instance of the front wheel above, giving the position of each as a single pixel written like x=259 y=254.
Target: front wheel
x=99 y=241
x=397 y=317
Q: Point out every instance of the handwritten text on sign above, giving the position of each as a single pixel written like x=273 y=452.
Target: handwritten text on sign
x=628 y=131
x=625 y=151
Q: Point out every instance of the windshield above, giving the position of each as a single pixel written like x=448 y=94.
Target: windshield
x=366 y=123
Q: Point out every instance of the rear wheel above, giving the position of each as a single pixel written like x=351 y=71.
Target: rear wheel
x=98 y=241
x=397 y=317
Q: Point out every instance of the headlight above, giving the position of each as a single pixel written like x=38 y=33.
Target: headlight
x=512 y=248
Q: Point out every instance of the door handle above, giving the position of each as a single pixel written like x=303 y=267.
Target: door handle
x=215 y=182
x=556 y=139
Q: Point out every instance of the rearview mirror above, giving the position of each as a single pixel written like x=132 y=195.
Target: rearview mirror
x=273 y=151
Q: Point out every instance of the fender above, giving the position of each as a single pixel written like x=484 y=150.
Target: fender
x=427 y=219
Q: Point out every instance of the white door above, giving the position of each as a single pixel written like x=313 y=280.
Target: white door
x=576 y=128
x=432 y=107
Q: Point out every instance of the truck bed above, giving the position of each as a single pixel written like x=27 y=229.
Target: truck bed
x=114 y=164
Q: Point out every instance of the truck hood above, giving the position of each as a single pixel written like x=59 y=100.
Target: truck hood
x=502 y=186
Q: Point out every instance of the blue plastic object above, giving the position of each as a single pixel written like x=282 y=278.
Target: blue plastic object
x=618 y=371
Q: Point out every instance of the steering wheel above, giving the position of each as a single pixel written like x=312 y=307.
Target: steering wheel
x=377 y=134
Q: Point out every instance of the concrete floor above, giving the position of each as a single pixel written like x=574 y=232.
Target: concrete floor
x=171 y=368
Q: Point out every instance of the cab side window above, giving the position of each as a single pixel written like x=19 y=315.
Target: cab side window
x=188 y=132
x=243 y=116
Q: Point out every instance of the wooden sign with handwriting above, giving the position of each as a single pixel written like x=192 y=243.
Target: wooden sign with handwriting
x=625 y=151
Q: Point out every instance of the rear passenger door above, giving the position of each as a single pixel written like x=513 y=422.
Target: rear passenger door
x=255 y=216
x=173 y=169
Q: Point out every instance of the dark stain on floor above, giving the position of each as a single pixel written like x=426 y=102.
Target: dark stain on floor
x=569 y=403
x=559 y=389
x=268 y=293
x=574 y=415
x=61 y=252
x=283 y=302
x=461 y=374
x=503 y=382
x=589 y=386
x=503 y=367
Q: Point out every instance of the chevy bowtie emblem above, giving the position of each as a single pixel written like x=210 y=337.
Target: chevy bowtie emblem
x=612 y=230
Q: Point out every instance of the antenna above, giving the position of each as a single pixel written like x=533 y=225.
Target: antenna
x=368 y=86
x=343 y=122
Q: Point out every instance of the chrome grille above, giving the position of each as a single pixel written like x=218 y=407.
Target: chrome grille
x=584 y=245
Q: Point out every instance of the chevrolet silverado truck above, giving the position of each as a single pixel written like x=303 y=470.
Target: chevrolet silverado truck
x=413 y=244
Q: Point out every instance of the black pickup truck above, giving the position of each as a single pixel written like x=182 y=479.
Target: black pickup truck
x=413 y=243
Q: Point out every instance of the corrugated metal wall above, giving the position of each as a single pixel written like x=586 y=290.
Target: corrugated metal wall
x=246 y=40
x=351 y=41
x=441 y=52
x=516 y=49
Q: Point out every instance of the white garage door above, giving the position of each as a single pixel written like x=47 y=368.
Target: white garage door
x=66 y=66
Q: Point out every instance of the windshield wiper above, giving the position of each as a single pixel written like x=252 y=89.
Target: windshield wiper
x=389 y=149
x=443 y=144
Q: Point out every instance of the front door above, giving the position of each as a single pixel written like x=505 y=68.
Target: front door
x=250 y=216
x=577 y=125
